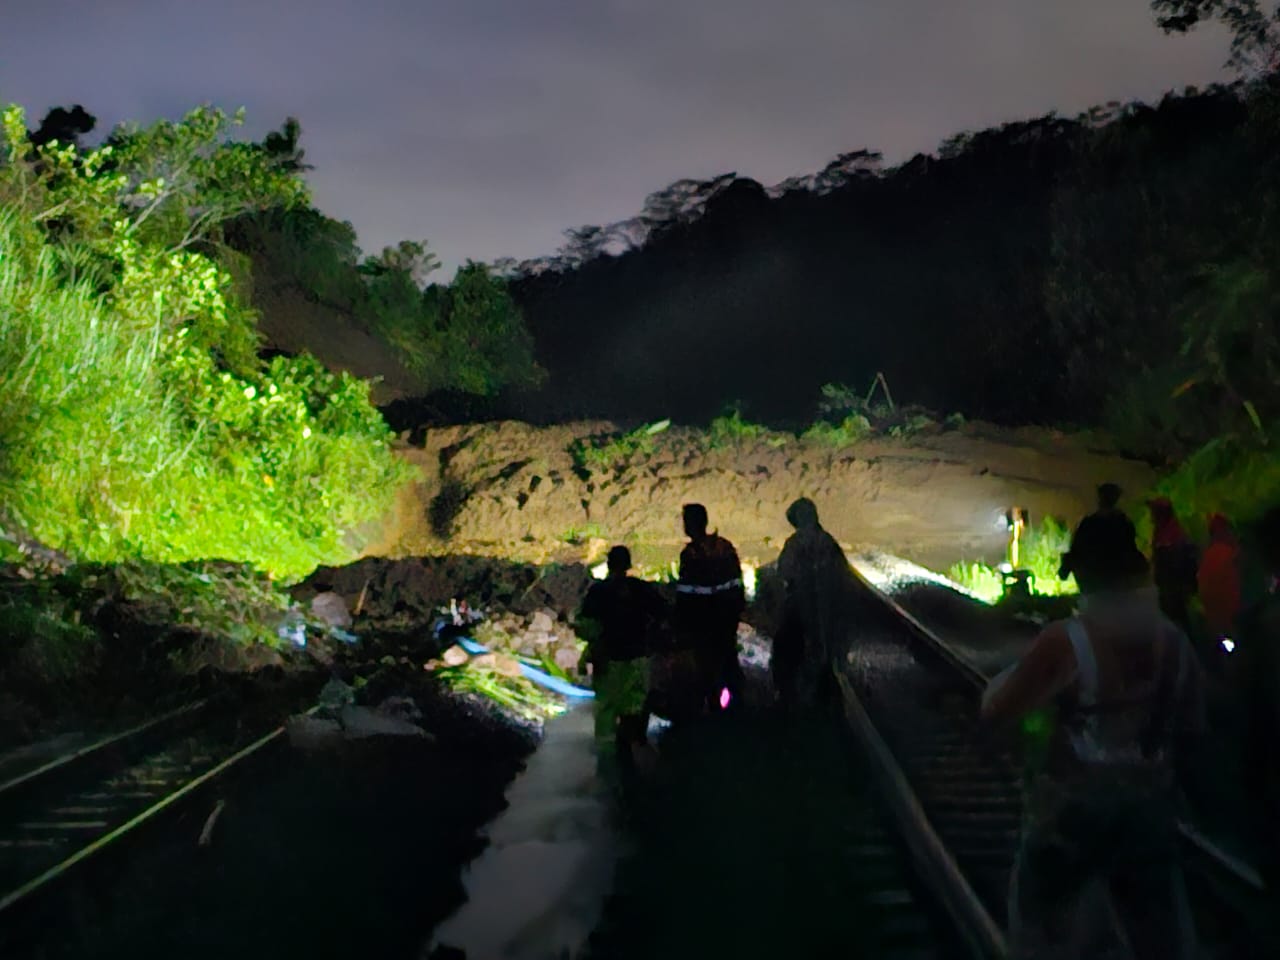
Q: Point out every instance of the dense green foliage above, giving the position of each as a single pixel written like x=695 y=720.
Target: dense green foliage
x=136 y=420
x=466 y=336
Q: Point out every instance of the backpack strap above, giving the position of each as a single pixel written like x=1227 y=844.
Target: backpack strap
x=1086 y=663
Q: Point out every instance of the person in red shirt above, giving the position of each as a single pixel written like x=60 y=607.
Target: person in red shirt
x=1173 y=559
x=1119 y=692
x=1218 y=578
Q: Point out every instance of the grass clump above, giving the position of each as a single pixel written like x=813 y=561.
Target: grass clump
x=602 y=453
x=42 y=638
x=233 y=602
x=851 y=430
x=846 y=416
x=576 y=536
x=1041 y=552
x=517 y=694
x=983 y=581
x=731 y=430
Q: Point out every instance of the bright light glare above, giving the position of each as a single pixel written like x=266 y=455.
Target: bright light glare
x=1005 y=568
x=724 y=698
x=601 y=570
x=1228 y=644
x=749 y=580
x=891 y=574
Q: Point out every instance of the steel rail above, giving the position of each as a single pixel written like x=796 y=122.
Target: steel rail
x=935 y=866
x=60 y=869
x=89 y=750
x=1236 y=868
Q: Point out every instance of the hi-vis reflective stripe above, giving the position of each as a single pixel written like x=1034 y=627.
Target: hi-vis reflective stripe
x=708 y=591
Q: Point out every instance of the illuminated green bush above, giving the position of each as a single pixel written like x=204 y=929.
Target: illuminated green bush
x=615 y=451
x=730 y=429
x=135 y=418
x=846 y=433
x=979 y=579
x=1041 y=553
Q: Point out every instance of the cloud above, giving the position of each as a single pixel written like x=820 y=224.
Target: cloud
x=489 y=126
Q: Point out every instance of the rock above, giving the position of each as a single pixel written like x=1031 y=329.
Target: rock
x=331 y=608
x=360 y=722
x=498 y=663
x=313 y=733
x=335 y=695
x=455 y=656
x=401 y=708
x=542 y=622
x=567 y=658
x=538 y=638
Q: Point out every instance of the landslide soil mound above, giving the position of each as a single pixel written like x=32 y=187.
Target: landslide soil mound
x=517 y=491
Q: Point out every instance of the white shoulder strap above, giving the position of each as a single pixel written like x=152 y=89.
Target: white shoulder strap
x=1086 y=662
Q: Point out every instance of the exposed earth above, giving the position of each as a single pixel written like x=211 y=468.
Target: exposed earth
x=516 y=491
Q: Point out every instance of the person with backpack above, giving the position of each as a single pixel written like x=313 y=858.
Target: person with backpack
x=618 y=619
x=1102 y=539
x=1120 y=694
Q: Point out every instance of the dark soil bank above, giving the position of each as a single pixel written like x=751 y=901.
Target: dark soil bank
x=349 y=853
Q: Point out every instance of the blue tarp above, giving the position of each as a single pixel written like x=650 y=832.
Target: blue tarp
x=540 y=677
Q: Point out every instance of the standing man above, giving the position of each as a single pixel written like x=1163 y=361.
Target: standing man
x=709 y=602
x=1103 y=538
x=1127 y=693
x=617 y=619
x=819 y=584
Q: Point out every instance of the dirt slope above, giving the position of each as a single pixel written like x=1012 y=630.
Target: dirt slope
x=292 y=323
x=509 y=489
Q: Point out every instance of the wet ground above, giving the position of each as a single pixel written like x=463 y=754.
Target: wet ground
x=761 y=838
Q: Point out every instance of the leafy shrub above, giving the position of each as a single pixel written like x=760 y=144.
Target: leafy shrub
x=135 y=418
x=846 y=433
x=615 y=451
x=468 y=335
x=839 y=400
x=912 y=425
x=1041 y=552
x=579 y=535
x=229 y=601
x=729 y=429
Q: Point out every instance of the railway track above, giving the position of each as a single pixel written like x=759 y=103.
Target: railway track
x=59 y=816
x=912 y=702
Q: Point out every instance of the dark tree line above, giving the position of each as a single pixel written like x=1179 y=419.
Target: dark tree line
x=1046 y=270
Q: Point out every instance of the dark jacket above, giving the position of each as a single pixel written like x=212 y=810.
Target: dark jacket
x=709 y=594
x=1102 y=550
x=624 y=613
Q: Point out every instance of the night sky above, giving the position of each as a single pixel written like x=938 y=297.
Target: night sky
x=486 y=127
